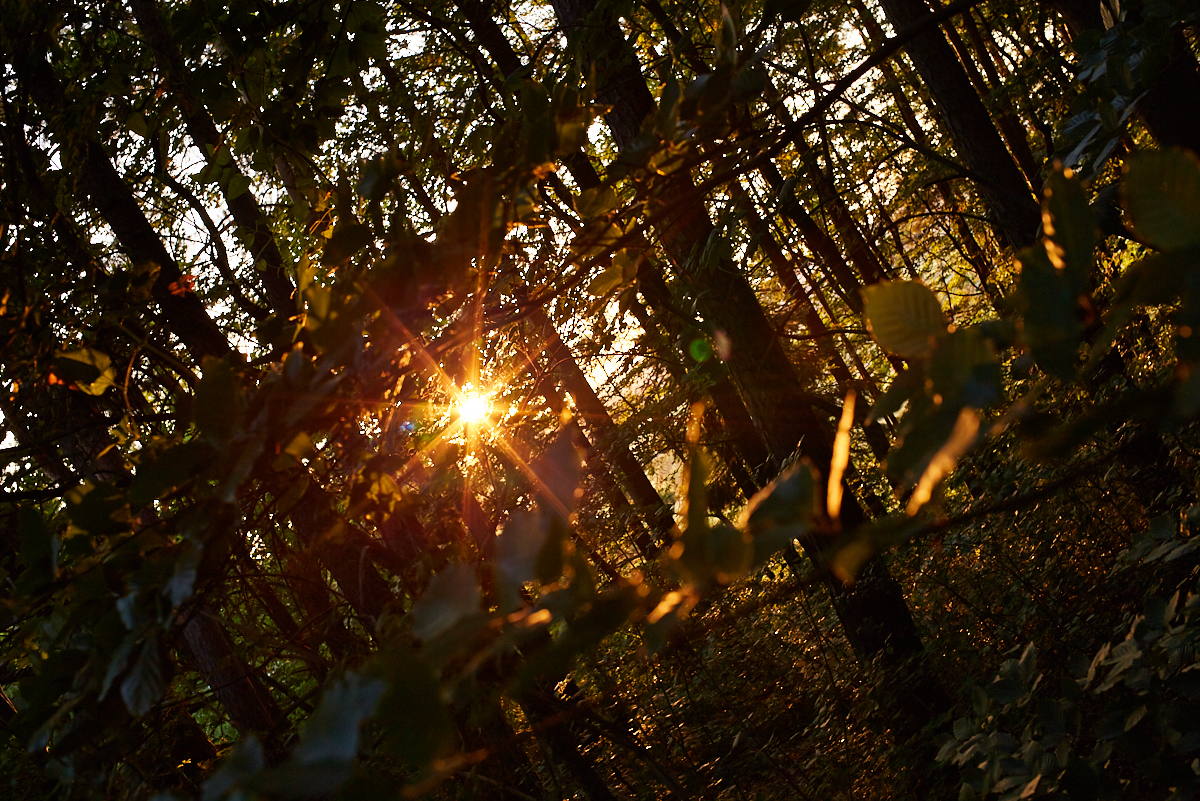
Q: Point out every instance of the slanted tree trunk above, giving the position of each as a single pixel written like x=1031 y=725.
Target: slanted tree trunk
x=873 y=612
x=251 y=221
x=594 y=417
x=112 y=198
x=997 y=178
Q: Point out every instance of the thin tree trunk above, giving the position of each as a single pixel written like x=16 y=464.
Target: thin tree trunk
x=873 y=611
x=112 y=198
x=998 y=179
x=244 y=207
x=595 y=417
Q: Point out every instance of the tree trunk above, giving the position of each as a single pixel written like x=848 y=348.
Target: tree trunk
x=997 y=178
x=112 y=198
x=244 y=207
x=873 y=611
x=594 y=417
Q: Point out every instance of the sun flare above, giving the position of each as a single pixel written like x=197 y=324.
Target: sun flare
x=474 y=408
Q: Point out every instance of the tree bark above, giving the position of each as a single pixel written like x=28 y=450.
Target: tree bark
x=873 y=612
x=998 y=179
x=112 y=198
x=244 y=207
x=595 y=418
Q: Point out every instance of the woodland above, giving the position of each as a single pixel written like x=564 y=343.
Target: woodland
x=599 y=399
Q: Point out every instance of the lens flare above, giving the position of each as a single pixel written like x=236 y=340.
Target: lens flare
x=474 y=408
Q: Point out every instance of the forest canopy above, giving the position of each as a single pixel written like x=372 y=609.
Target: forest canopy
x=599 y=399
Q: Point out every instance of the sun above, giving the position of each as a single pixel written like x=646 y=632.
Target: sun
x=473 y=408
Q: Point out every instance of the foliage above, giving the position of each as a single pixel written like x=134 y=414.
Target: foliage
x=257 y=259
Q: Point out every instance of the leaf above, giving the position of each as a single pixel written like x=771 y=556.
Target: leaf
x=345 y=242
x=557 y=470
x=331 y=734
x=217 y=404
x=245 y=762
x=117 y=663
x=907 y=384
x=168 y=469
x=905 y=317
x=1162 y=197
x=38 y=545
x=596 y=239
x=183 y=578
x=1070 y=229
x=628 y=261
x=88 y=370
x=136 y=122
x=452 y=595
x=517 y=549
x=100 y=510
x=608 y=280
x=596 y=201
x=144 y=686
x=416 y=726
x=964 y=369
x=726 y=39
x=943 y=461
x=1052 y=327
x=238 y=185
x=781 y=512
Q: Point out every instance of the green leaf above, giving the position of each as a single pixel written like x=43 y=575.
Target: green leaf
x=608 y=280
x=245 y=762
x=345 y=242
x=100 y=510
x=183 y=578
x=88 y=370
x=786 y=10
x=964 y=369
x=217 y=404
x=331 y=734
x=136 y=122
x=667 y=118
x=1162 y=196
x=596 y=239
x=1070 y=229
x=905 y=317
x=558 y=470
x=117 y=663
x=517 y=549
x=726 y=39
x=38 y=545
x=144 y=686
x=627 y=260
x=1052 y=326
x=327 y=317
x=907 y=384
x=452 y=596
x=238 y=185
x=167 y=470
x=848 y=556
x=416 y=726
x=596 y=201
x=781 y=512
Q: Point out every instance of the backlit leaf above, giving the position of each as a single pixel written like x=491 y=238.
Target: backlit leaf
x=905 y=317
x=1162 y=196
